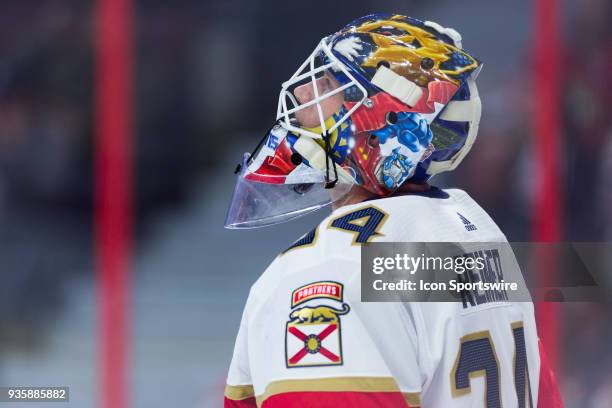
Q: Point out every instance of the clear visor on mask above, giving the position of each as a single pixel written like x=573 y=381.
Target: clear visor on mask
x=257 y=203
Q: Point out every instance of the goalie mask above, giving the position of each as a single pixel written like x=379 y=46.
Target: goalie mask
x=386 y=99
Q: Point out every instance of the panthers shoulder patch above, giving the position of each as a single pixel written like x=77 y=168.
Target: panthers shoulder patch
x=313 y=332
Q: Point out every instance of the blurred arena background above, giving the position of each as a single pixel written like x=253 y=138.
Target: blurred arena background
x=204 y=82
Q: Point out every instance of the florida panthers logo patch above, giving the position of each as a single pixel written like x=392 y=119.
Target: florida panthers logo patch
x=313 y=336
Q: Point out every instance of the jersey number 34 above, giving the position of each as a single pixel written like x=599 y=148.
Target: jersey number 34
x=477 y=358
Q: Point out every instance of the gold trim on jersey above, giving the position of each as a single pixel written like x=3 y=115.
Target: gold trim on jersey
x=339 y=384
x=239 y=392
x=413 y=399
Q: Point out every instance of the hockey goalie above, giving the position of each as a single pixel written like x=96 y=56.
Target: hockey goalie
x=376 y=110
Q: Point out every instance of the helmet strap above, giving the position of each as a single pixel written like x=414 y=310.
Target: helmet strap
x=328 y=157
x=261 y=142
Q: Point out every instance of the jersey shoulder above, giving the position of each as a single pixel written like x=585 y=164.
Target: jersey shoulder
x=438 y=215
x=331 y=250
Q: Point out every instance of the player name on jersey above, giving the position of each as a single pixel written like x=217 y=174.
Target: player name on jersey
x=492 y=274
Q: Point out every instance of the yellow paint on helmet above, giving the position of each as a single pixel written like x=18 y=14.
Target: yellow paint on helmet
x=404 y=59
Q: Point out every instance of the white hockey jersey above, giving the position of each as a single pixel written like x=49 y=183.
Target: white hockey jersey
x=306 y=339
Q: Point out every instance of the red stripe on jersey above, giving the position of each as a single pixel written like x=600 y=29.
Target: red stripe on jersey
x=342 y=399
x=548 y=392
x=245 y=403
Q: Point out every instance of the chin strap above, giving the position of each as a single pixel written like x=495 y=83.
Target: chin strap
x=328 y=157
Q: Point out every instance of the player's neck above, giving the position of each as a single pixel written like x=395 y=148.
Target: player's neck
x=359 y=194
